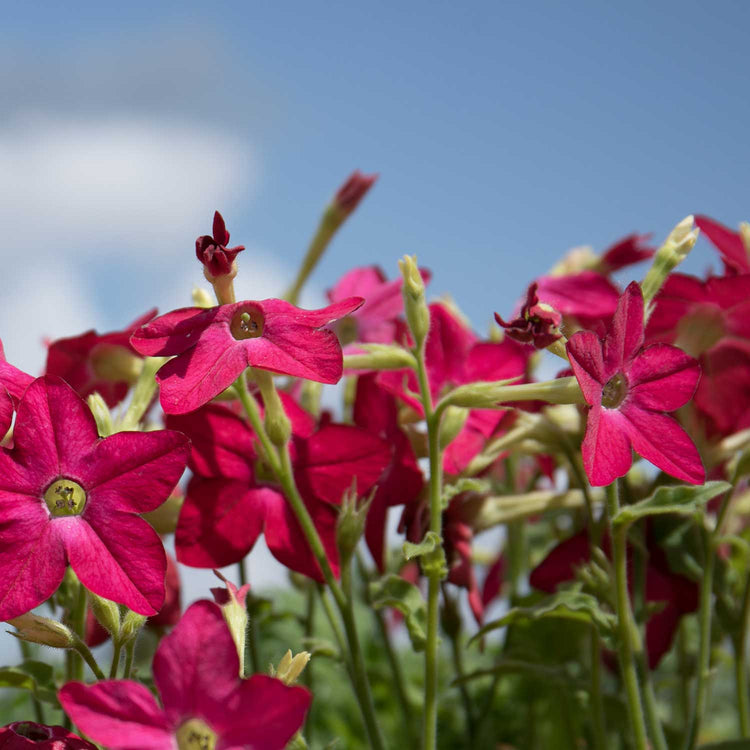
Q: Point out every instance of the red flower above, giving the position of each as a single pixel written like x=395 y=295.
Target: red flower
x=215 y=346
x=213 y=252
x=27 y=735
x=14 y=381
x=227 y=506
x=536 y=324
x=349 y=195
x=626 y=252
x=379 y=318
x=101 y=362
x=679 y=594
x=69 y=497
x=204 y=701
x=729 y=244
x=587 y=296
x=628 y=389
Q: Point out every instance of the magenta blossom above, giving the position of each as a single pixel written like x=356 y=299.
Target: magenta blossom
x=27 y=735
x=215 y=346
x=626 y=252
x=205 y=704
x=14 y=381
x=729 y=243
x=69 y=497
x=588 y=296
x=213 y=252
x=535 y=324
x=101 y=362
x=349 y=195
x=628 y=388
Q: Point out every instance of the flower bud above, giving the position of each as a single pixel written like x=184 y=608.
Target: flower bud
x=102 y=415
x=349 y=195
x=107 y=613
x=485 y=395
x=36 y=629
x=379 y=357
x=291 y=667
x=453 y=421
x=233 y=603
x=351 y=523
x=277 y=424
x=674 y=250
x=131 y=626
x=201 y=298
x=116 y=364
x=415 y=307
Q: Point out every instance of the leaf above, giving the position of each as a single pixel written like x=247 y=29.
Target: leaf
x=430 y=543
x=394 y=591
x=567 y=605
x=34 y=676
x=463 y=485
x=681 y=499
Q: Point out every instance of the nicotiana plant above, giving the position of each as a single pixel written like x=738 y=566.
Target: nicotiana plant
x=611 y=612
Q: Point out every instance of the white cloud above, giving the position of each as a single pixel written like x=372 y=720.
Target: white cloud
x=118 y=181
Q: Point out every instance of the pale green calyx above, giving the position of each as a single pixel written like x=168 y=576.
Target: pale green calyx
x=415 y=307
x=65 y=497
x=42 y=630
x=380 y=357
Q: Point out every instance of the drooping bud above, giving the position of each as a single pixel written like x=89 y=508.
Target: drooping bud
x=291 y=667
x=233 y=603
x=346 y=199
x=107 y=614
x=36 y=629
x=674 y=250
x=415 y=306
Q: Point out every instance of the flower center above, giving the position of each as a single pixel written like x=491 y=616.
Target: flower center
x=615 y=391
x=29 y=730
x=195 y=734
x=247 y=324
x=65 y=498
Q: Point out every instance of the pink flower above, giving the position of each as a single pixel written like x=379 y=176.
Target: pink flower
x=69 y=497
x=587 y=296
x=227 y=505
x=213 y=252
x=379 y=319
x=626 y=252
x=27 y=735
x=728 y=243
x=14 y=381
x=204 y=701
x=349 y=195
x=628 y=388
x=215 y=346
x=101 y=362
x=535 y=324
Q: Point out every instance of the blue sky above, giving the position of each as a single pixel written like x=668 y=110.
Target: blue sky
x=504 y=133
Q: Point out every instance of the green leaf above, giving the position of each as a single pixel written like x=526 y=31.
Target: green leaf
x=394 y=591
x=681 y=499
x=34 y=676
x=430 y=543
x=567 y=605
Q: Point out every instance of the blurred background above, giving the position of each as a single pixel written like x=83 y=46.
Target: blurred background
x=504 y=134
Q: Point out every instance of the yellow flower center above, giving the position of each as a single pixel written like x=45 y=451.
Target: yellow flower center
x=65 y=498
x=247 y=324
x=195 y=734
x=615 y=391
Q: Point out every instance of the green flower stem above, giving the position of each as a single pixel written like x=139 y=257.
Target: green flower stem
x=129 y=654
x=335 y=626
x=85 y=653
x=78 y=626
x=628 y=633
x=740 y=664
x=115 y=659
x=282 y=467
x=435 y=571
x=26 y=654
x=704 y=619
x=143 y=393
x=597 y=696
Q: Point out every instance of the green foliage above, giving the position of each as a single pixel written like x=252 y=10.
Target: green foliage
x=394 y=591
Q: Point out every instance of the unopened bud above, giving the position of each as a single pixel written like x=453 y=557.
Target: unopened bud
x=201 y=298
x=487 y=395
x=415 y=307
x=674 y=250
x=102 y=415
x=115 y=363
x=107 y=613
x=131 y=626
x=277 y=424
x=42 y=630
x=351 y=523
x=233 y=603
x=453 y=421
x=291 y=667
x=379 y=357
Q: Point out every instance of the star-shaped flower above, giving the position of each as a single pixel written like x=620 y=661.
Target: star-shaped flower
x=28 y=735
x=212 y=250
x=628 y=389
x=214 y=346
x=69 y=497
x=205 y=704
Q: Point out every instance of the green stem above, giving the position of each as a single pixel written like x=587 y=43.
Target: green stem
x=129 y=655
x=85 y=653
x=335 y=626
x=26 y=654
x=435 y=572
x=458 y=665
x=597 y=696
x=282 y=467
x=115 y=659
x=683 y=671
x=740 y=664
x=78 y=626
x=628 y=633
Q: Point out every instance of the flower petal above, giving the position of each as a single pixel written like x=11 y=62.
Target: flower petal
x=278 y=308
x=220 y=522
x=606 y=448
x=118 y=556
x=625 y=335
x=663 y=377
x=561 y=562
x=174 y=332
x=661 y=440
x=728 y=243
x=196 y=667
x=118 y=714
x=585 y=352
